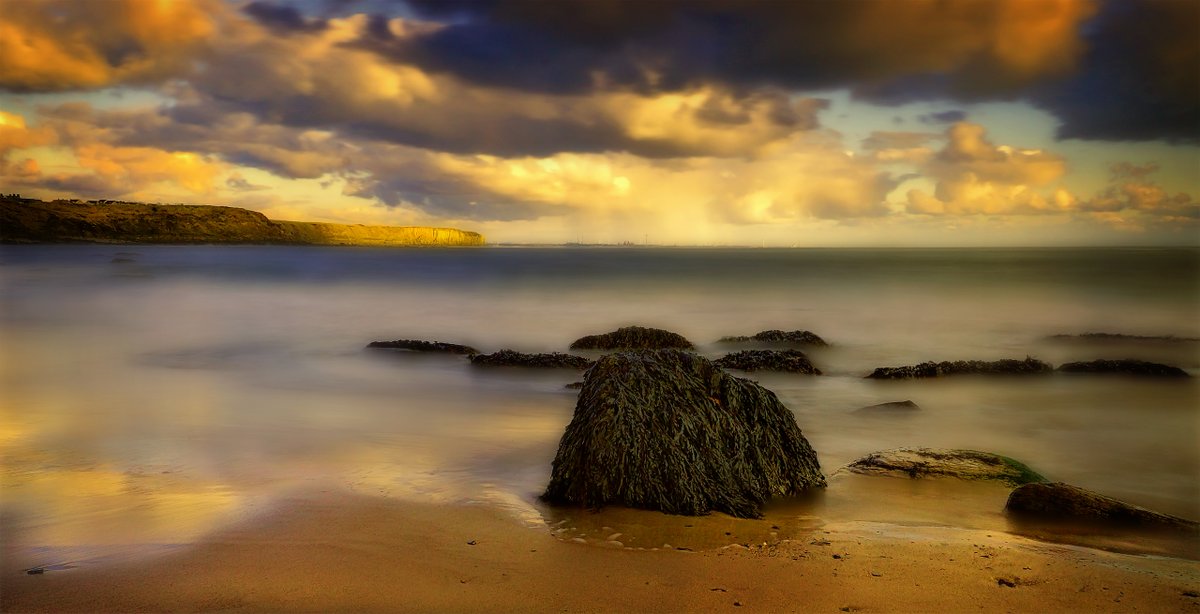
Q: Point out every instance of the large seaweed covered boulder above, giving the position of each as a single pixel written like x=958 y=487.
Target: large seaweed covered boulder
x=668 y=430
x=633 y=338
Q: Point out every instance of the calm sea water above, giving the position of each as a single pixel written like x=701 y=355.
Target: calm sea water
x=148 y=394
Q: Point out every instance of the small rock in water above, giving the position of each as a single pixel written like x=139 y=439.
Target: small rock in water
x=35 y=571
x=1029 y=366
x=1127 y=366
x=417 y=345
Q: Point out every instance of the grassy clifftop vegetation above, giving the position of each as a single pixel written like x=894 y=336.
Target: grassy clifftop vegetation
x=25 y=220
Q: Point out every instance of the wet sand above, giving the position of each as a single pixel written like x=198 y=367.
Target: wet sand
x=338 y=551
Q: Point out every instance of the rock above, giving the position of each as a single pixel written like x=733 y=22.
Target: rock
x=798 y=337
x=1029 y=366
x=509 y=358
x=1119 y=338
x=414 y=345
x=792 y=361
x=670 y=431
x=1059 y=501
x=633 y=338
x=1127 y=366
x=962 y=464
x=889 y=407
x=574 y=386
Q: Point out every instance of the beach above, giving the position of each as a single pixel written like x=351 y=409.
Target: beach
x=345 y=552
x=203 y=428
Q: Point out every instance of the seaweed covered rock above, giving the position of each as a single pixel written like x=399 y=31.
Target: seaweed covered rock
x=1063 y=502
x=795 y=337
x=1119 y=338
x=891 y=407
x=1029 y=366
x=510 y=358
x=1127 y=366
x=670 y=431
x=416 y=345
x=962 y=464
x=791 y=361
x=633 y=338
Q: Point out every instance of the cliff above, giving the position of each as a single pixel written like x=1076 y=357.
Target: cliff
x=34 y=221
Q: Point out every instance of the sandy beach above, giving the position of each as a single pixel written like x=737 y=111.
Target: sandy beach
x=337 y=551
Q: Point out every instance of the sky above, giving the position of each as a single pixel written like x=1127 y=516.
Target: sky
x=700 y=122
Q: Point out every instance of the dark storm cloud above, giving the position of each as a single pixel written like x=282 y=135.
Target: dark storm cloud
x=1117 y=69
x=1140 y=78
x=283 y=19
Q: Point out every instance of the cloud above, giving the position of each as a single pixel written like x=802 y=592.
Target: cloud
x=974 y=176
x=54 y=45
x=1139 y=78
x=283 y=19
x=943 y=117
x=1132 y=192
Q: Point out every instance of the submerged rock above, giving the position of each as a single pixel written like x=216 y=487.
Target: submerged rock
x=792 y=361
x=962 y=464
x=798 y=337
x=889 y=407
x=1119 y=338
x=1029 y=366
x=670 y=431
x=415 y=345
x=510 y=358
x=1059 y=501
x=633 y=338
x=1127 y=366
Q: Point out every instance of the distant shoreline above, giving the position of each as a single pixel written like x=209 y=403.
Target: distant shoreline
x=25 y=221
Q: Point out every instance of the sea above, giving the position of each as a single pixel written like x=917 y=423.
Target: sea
x=150 y=395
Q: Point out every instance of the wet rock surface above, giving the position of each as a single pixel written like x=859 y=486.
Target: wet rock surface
x=1057 y=501
x=790 y=361
x=1029 y=366
x=930 y=462
x=796 y=337
x=1126 y=366
x=669 y=430
x=510 y=358
x=416 y=345
x=891 y=407
x=633 y=337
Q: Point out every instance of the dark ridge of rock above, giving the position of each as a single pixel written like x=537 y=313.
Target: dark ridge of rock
x=1063 y=502
x=791 y=361
x=668 y=430
x=962 y=464
x=510 y=358
x=799 y=337
x=889 y=407
x=1128 y=366
x=1029 y=366
x=1119 y=337
x=416 y=345
x=574 y=386
x=633 y=338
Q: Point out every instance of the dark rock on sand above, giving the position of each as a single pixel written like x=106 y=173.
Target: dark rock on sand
x=791 y=361
x=510 y=358
x=633 y=338
x=1029 y=366
x=415 y=345
x=1127 y=366
x=1063 y=502
x=889 y=407
x=798 y=337
x=670 y=431
x=962 y=464
x=1119 y=338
